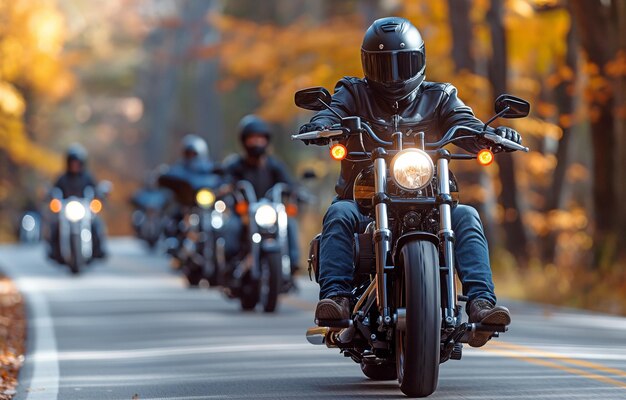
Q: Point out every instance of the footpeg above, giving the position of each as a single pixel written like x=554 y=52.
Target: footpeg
x=478 y=327
x=457 y=352
x=333 y=323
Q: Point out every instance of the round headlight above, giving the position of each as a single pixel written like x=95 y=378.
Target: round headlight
x=412 y=169
x=205 y=198
x=74 y=211
x=265 y=216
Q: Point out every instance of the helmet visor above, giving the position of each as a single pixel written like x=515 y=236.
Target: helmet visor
x=392 y=66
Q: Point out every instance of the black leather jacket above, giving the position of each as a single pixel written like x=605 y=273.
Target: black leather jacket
x=262 y=177
x=75 y=184
x=433 y=108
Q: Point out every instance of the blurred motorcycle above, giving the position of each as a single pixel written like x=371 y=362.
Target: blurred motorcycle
x=149 y=217
x=75 y=225
x=191 y=240
x=255 y=273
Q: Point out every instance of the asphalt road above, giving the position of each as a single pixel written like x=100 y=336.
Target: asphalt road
x=129 y=328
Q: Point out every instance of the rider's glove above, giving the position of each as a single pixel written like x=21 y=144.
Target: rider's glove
x=311 y=127
x=509 y=133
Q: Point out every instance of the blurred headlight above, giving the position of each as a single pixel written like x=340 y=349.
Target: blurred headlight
x=205 y=198
x=74 y=211
x=265 y=216
x=412 y=169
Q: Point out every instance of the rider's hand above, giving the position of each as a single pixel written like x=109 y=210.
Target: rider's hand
x=312 y=127
x=509 y=133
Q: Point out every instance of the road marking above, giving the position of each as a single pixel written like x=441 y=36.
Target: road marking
x=554 y=365
x=561 y=357
x=44 y=384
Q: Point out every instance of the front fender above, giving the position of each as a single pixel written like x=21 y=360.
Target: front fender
x=412 y=236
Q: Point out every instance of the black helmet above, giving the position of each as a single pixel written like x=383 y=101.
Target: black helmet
x=393 y=58
x=194 y=144
x=76 y=152
x=251 y=124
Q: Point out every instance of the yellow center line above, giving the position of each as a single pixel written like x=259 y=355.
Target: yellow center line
x=545 y=354
x=550 y=364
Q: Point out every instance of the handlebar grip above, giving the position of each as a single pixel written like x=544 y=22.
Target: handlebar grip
x=509 y=144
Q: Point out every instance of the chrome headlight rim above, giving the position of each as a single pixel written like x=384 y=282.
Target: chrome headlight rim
x=265 y=216
x=75 y=211
x=427 y=162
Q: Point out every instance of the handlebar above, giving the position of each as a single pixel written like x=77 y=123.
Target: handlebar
x=448 y=138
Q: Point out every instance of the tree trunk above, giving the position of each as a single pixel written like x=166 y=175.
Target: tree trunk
x=598 y=23
x=516 y=239
x=565 y=101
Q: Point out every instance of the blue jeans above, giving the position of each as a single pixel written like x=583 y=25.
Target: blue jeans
x=343 y=219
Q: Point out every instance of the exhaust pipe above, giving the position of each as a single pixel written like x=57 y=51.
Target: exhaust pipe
x=317 y=335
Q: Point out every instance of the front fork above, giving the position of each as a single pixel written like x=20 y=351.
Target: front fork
x=446 y=238
x=382 y=236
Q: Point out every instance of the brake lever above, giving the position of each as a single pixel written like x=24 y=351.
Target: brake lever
x=313 y=135
x=506 y=143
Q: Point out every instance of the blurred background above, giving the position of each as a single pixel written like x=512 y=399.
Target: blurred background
x=129 y=78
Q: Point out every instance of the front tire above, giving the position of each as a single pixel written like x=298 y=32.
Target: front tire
x=76 y=255
x=418 y=346
x=271 y=281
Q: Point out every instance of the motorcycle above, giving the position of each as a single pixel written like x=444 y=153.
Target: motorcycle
x=75 y=219
x=258 y=269
x=406 y=319
x=193 y=241
x=149 y=216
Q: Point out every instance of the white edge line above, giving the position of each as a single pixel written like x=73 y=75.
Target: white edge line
x=44 y=383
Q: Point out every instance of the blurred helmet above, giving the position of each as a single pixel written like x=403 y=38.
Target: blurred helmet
x=195 y=147
x=393 y=58
x=76 y=152
x=253 y=125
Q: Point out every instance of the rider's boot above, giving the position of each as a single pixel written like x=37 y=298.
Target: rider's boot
x=485 y=312
x=334 y=309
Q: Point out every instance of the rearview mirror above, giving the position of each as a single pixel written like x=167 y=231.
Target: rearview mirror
x=104 y=188
x=312 y=98
x=514 y=106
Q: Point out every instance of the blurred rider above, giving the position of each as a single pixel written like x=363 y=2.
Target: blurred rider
x=262 y=170
x=73 y=183
x=195 y=155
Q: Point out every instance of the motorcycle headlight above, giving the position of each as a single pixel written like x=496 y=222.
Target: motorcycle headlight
x=205 y=198
x=412 y=169
x=74 y=211
x=265 y=216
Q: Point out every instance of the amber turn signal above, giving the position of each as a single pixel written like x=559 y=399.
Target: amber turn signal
x=241 y=208
x=55 y=206
x=484 y=157
x=338 y=151
x=95 y=206
x=292 y=210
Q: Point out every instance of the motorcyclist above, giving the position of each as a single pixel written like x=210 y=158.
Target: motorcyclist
x=262 y=170
x=394 y=61
x=194 y=160
x=73 y=183
x=194 y=155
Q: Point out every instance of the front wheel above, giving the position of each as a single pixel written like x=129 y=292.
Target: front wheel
x=417 y=346
x=76 y=254
x=271 y=280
